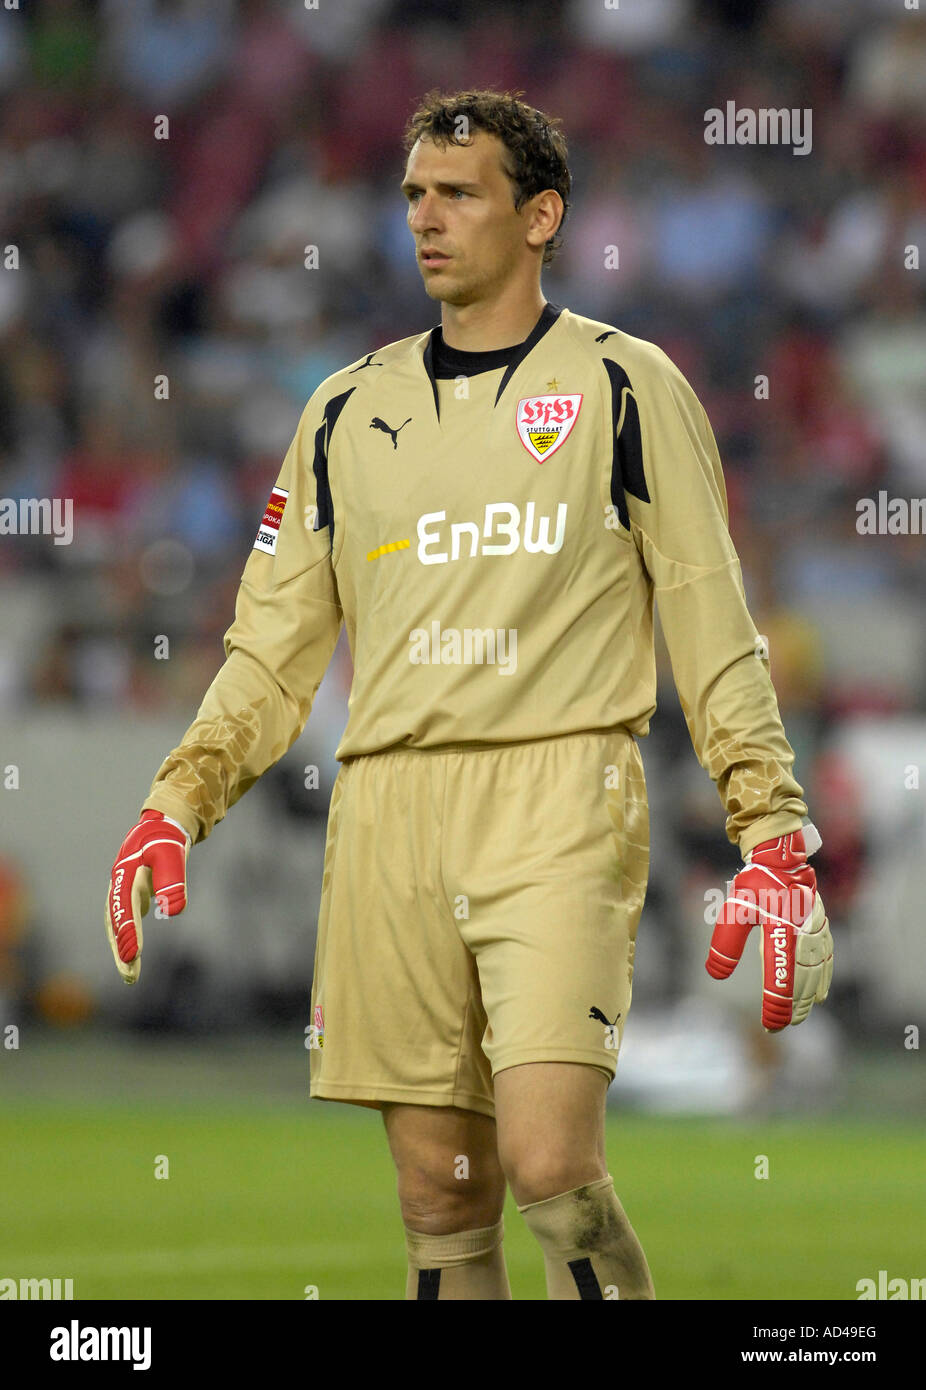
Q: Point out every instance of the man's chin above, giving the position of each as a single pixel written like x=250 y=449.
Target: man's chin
x=446 y=292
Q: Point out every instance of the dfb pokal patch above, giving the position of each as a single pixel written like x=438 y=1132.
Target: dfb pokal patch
x=270 y=526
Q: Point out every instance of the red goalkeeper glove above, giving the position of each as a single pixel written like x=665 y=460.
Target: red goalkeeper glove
x=777 y=891
x=151 y=861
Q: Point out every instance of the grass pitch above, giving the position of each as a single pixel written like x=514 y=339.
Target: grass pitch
x=269 y=1194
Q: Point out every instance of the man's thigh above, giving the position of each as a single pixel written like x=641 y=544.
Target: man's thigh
x=550 y=1127
x=552 y=871
x=395 y=993
x=479 y=912
x=548 y=1138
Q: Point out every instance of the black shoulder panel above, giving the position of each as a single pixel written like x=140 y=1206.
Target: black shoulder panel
x=323 y=434
x=627 y=460
x=428 y=359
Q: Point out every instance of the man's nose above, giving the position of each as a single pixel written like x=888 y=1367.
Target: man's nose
x=425 y=214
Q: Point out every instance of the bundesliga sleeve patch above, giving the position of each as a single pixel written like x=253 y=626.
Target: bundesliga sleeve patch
x=270 y=526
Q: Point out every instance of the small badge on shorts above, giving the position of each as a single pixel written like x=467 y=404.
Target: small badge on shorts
x=319 y=1026
x=269 y=527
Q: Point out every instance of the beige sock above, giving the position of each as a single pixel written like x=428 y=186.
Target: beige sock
x=469 y=1264
x=589 y=1247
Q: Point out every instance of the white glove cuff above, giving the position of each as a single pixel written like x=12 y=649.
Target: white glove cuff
x=170 y=821
x=812 y=841
x=812 y=838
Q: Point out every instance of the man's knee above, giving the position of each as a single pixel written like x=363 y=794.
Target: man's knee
x=436 y=1210
x=550 y=1128
x=536 y=1173
x=449 y=1176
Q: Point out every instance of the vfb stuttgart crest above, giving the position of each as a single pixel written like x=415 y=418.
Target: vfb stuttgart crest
x=545 y=422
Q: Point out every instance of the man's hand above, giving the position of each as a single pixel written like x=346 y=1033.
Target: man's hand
x=777 y=890
x=151 y=861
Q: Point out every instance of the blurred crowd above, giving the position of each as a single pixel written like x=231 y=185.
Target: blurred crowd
x=152 y=253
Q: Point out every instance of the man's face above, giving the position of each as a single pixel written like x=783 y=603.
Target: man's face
x=461 y=204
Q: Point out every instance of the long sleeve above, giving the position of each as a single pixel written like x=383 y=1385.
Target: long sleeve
x=287 y=621
x=719 y=664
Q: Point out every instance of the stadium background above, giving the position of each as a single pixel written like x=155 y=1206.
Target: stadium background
x=184 y=257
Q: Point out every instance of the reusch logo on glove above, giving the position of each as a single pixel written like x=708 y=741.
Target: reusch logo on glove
x=118 y=909
x=270 y=525
x=779 y=938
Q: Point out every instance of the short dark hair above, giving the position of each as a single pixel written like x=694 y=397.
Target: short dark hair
x=535 y=143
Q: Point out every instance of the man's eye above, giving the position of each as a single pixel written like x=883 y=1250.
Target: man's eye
x=453 y=193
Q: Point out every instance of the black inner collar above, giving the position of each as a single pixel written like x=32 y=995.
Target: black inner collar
x=451 y=362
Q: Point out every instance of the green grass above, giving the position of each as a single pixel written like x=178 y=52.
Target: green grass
x=264 y=1199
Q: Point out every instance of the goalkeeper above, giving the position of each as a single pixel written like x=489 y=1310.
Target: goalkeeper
x=492 y=507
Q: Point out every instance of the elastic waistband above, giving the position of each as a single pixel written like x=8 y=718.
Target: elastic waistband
x=440 y=749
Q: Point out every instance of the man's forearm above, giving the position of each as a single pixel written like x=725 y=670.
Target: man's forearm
x=722 y=676
x=250 y=716
x=245 y=723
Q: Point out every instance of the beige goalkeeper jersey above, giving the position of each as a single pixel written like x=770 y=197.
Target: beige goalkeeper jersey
x=494 y=539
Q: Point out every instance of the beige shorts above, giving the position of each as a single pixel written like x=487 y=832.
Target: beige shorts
x=479 y=910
